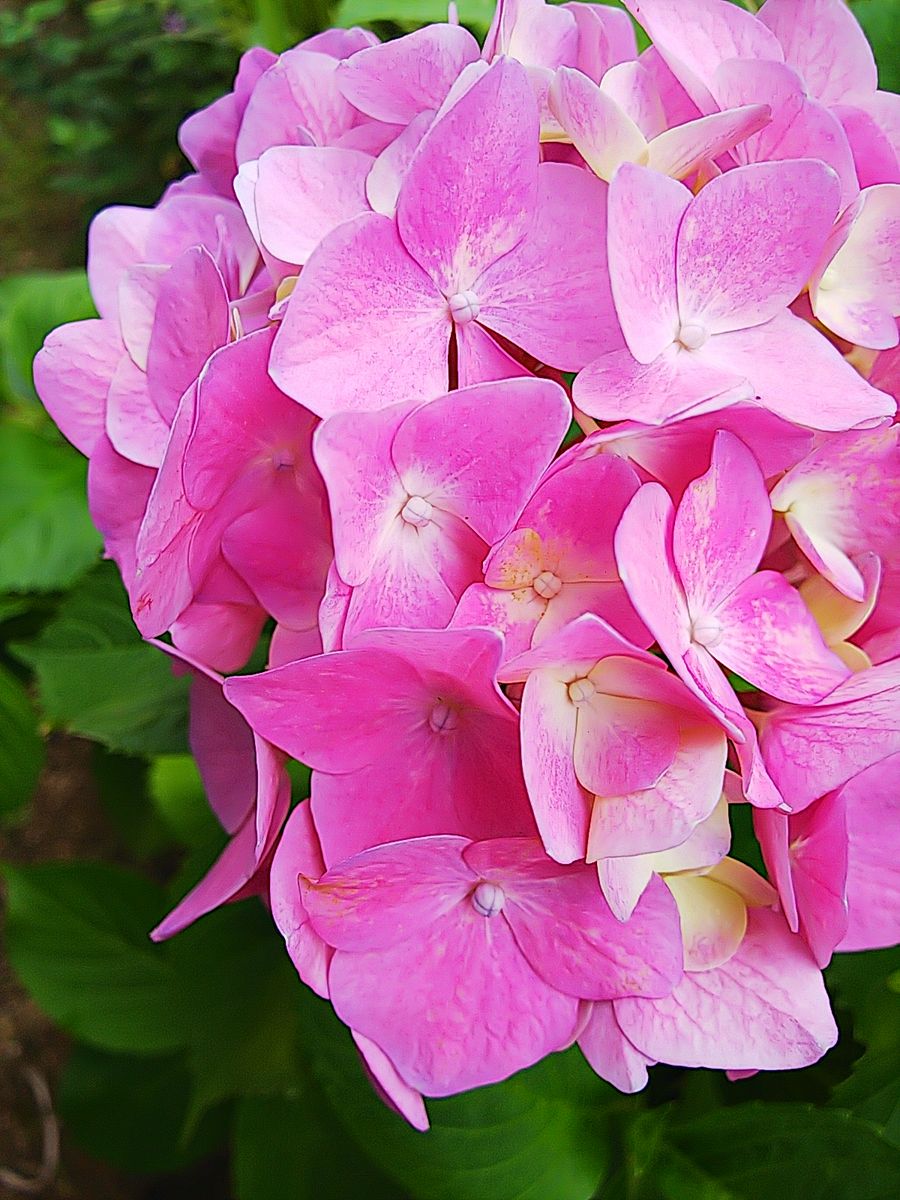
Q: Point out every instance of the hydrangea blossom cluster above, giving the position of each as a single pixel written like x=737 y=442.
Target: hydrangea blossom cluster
x=535 y=666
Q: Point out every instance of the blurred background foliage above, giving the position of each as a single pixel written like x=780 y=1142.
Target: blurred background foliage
x=201 y=1068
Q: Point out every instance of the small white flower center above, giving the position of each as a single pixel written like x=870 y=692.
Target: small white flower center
x=692 y=335
x=547 y=585
x=706 y=631
x=464 y=307
x=416 y=511
x=443 y=718
x=488 y=899
x=581 y=690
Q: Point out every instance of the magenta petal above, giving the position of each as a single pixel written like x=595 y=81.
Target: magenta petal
x=819 y=864
x=117 y=240
x=387 y=894
x=460 y=210
x=275 y=702
x=298 y=854
x=811 y=750
x=390 y=1085
x=455 y=1005
x=764 y=1009
x=480 y=359
x=365 y=492
x=364 y=327
x=566 y=930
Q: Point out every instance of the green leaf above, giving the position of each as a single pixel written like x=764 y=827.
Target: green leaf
x=131 y=1111
x=542 y=1133
x=21 y=745
x=880 y=20
x=30 y=306
x=97 y=677
x=775 y=1150
x=315 y=1159
x=180 y=800
x=862 y=983
x=476 y=14
x=46 y=537
x=237 y=1006
x=77 y=937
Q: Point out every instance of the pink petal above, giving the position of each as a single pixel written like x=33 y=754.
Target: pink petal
x=133 y=422
x=389 y=1085
x=722 y=526
x=565 y=929
x=617 y=387
x=72 y=374
x=117 y=491
x=680 y=151
x=800 y=127
x=384 y=896
x=693 y=50
x=665 y=814
x=191 y=322
x=814 y=749
x=770 y=638
x=750 y=240
x=643 y=545
x=765 y=1009
x=873 y=896
x=561 y=806
x=819 y=852
x=455 y=1005
x=622 y=744
x=600 y=130
x=479 y=452
x=364 y=325
x=480 y=359
x=632 y=87
x=797 y=374
x=609 y=1051
x=458 y=214
x=397 y=80
x=117 y=241
x=389 y=169
x=383 y=684
x=298 y=854
x=824 y=43
x=366 y=495
x=303 y=192
x=645 y=212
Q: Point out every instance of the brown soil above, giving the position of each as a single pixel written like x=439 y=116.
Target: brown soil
x=65 y=821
